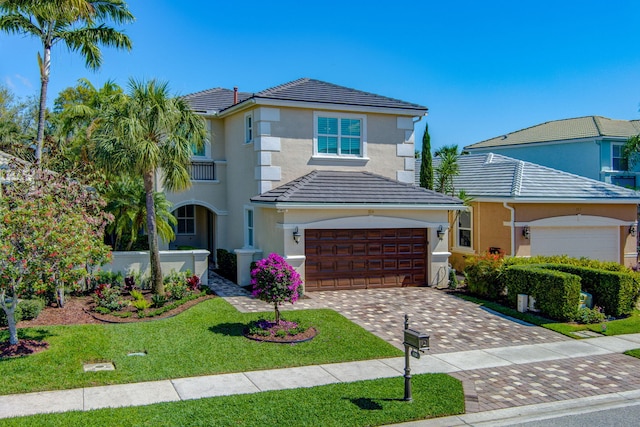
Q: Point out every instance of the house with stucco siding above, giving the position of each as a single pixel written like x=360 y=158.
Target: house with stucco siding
x=321 y=174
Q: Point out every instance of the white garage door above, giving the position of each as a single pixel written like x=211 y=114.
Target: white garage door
x=600 y=243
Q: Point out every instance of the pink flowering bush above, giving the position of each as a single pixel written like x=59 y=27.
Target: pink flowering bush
x=275 y=281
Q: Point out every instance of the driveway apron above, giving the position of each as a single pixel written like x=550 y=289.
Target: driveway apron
x=455 y=326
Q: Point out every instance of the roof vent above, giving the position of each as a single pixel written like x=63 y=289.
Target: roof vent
x=235 y=95
x=504 y=136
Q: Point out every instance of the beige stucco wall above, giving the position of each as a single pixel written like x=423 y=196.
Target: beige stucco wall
x=280 y=238
x=489 y=229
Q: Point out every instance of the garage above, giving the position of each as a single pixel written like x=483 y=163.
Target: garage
x=365 y=258
x=601 y=243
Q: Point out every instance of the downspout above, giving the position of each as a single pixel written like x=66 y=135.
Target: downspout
x=512 y=225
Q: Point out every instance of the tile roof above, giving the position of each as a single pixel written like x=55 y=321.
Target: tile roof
x=496 y=176
x=301 y=90
x=567 y=129
x=214 y=100
x=335 y=187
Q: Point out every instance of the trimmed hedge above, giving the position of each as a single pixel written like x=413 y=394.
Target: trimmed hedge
x=557 y=293
x=483 y=276
x=227 y=264
x=615 y=292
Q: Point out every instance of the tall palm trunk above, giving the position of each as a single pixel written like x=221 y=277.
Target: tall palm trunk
x=45 y=67
x=157 y=286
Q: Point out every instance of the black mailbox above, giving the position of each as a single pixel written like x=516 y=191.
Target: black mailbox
x=415 y=339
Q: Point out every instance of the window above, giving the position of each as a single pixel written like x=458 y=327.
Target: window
x=248 y=238
x=463 y=232
x=248 y=128
x=618 y=162
x=202 y=152
x=186 y=220
x=339 y=135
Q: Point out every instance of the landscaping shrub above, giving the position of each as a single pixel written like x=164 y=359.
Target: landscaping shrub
x=158 y=300
x=227 y=264
x=615 y=291
x=109 y=297
x=566 y=260
x=588 y=315
x=31 y=308
x=27 y=309
x=483 y=275
x=177 y=284
x=109 y=277
x=557 y=294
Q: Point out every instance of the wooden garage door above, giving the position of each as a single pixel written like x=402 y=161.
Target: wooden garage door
x=368 y=258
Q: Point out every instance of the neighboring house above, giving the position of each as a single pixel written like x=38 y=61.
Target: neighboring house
x=588 y=146
x=321 y=174
x=521 y=209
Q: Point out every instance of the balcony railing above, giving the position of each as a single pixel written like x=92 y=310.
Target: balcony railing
x=203 y=171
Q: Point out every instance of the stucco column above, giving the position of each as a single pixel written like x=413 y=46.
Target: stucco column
x=245 y=257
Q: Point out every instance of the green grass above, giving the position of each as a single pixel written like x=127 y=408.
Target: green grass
x=627 y=325
x=206 y=339
x=362 y=403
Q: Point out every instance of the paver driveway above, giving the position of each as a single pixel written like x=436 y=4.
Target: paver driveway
x=452 y=323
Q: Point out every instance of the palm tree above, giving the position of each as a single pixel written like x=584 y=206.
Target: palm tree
x=149 y=132
x=78 y=24
x=447 y=169
x=127 y=202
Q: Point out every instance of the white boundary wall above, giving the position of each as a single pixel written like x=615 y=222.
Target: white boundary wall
x=196 y=261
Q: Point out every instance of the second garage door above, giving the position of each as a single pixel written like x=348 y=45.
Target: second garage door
x=599 y=243
x=367 y=258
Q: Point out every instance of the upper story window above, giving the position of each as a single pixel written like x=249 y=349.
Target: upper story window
x=339 y=135
x=618 y=162
x=186 y=217
x=202 y=151
x=463 y=230
x=248 y=128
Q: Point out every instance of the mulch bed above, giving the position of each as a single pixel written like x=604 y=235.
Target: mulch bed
x=77 y=311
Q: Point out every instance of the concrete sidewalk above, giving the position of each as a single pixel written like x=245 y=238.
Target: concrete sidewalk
x=457 y=363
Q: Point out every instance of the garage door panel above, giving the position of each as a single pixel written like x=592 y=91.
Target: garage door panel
x=601 y=243
x=365 y=258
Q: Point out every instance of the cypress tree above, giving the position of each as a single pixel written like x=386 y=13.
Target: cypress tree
x=426 y=167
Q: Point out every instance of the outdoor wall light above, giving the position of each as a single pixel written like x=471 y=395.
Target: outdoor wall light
x=440 y=232
x=526 y=232
x=632 y=230
x=296 y=236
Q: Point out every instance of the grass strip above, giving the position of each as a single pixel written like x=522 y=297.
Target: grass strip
x=206 y=339
x=361 y=403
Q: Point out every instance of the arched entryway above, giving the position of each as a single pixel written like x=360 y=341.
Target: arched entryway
x=195 y=229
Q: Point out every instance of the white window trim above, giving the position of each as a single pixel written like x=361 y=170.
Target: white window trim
x=247 y=243
x=456 y=235
x=613 y=144
x=363 y=136
x=247 y=140
x=195 y=223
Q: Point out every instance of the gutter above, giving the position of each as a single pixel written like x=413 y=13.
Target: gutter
x=512 y=225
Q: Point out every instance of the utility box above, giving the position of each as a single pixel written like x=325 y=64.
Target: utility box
x=415 y=339
x=523 y=301
x=532 y=304
x=586 y=300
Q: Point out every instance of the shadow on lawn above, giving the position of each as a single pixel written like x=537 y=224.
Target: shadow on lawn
x=368 y=404
x=230 y=329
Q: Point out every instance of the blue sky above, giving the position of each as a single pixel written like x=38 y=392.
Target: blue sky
x=483 y=68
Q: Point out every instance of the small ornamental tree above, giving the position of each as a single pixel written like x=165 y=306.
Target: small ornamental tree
x=275 y=281
x=51 y=230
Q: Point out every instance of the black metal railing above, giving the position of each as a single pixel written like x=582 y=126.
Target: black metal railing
x=202 y=171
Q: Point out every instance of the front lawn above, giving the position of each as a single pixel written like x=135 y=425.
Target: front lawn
x=362 y=403
x=628 y=325
x=206 y=339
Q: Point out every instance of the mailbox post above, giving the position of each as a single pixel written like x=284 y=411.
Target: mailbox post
x=414 y=343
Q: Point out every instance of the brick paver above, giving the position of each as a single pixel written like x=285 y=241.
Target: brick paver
x=518 y=385
x=458 y=325
x=452 y=323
